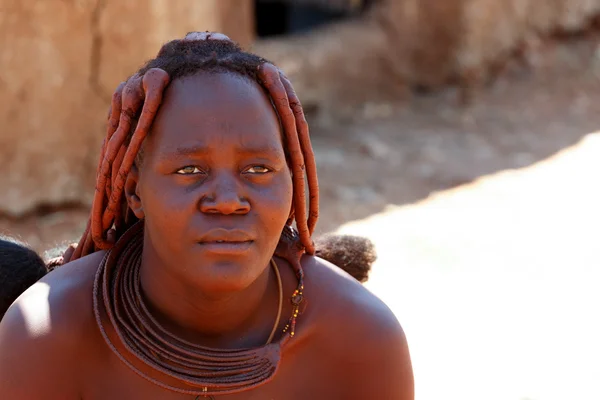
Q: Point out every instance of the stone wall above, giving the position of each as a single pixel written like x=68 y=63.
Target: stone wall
x=59 y=63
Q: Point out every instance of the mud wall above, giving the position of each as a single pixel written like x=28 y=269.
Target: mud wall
x=59 y=63
x=402 y=44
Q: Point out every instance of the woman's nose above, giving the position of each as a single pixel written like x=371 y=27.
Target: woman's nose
x=225 y=197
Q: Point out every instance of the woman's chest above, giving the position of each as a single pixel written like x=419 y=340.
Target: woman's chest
x=302 y=373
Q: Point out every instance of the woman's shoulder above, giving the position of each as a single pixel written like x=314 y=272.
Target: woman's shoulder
x=358 y=331
x=59 y=305
x=342 y=301
x=47 y=330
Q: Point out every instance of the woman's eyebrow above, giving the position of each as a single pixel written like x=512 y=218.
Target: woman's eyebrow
x=189 y=150
x=185 y=151
x=254 y=149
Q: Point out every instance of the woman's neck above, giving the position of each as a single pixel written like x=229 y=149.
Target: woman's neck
x=226 y=320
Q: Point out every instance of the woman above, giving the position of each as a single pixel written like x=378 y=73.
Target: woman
x=190 y=281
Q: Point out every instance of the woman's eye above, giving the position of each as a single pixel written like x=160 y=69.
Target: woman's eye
x=257 y=169
x=189 y=170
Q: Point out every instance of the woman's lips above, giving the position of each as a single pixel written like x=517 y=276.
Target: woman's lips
x=226 y=247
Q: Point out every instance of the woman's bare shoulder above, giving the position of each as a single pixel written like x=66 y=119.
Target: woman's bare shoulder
x=359 y=332
x=58 y=305
x=45 y=332
x=60 y=300
x=331 y=286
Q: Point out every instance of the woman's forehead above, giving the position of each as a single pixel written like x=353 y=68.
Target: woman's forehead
x=213 y=89
x=216 y=104
x=216 y=108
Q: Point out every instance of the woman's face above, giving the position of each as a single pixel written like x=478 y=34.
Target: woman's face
x=214 y=186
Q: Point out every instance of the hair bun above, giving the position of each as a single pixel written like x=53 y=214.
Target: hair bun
x=353 y=254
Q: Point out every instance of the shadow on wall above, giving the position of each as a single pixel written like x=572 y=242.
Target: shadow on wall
x=285 y=17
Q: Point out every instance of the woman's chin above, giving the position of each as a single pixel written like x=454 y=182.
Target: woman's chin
x=225 y=276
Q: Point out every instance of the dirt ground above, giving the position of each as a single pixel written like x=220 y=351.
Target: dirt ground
x=496 y=282
x=399 y=154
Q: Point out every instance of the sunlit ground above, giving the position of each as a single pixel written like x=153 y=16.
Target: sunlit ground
x=497 y=283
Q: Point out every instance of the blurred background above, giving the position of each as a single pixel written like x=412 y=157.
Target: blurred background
x=459 y=135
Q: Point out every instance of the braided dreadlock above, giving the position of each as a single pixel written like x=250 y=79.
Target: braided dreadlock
x=134 y=107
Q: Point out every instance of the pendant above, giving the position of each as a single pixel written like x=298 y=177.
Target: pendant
x=206 y=396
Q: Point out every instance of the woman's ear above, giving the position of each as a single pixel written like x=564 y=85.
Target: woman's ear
x=132 y=192
x=292 y=215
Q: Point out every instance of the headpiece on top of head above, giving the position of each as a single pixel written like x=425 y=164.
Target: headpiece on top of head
x=206 y=35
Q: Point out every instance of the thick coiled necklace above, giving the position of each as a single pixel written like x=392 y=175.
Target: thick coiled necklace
x=187 y=368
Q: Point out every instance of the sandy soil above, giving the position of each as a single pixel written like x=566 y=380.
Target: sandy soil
x=496 y=282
